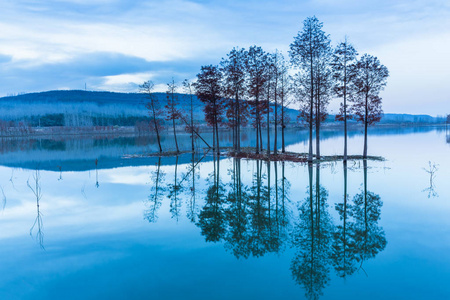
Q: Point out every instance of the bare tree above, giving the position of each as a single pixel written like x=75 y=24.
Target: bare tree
x=370 y=80
x=256 y=68
x=153 y=107
x=308 y=51
x=344 y=59
x=188 y=89
x=209 y=91
x=173 y=113
x=283 y=91
x=235 y=87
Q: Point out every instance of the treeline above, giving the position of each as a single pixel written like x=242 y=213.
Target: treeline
x=252 y=86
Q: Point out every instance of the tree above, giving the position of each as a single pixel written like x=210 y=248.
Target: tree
x=309 y=53
x=208 y=90
x=190 y=128
x=173 y=113
x=234 y=88
x=371 y=78
x=344 y=59
x=323 y=85
x=281 y=87
x=283 y=91
x=256 y=68
x=153 y=107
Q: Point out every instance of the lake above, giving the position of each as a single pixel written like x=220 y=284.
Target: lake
x=89 y=218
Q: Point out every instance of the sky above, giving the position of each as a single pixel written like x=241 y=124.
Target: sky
x=115 y=45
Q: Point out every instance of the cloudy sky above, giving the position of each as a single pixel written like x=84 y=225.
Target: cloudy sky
x=117 y=44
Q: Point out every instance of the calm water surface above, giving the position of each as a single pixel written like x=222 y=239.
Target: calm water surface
x=80 y=219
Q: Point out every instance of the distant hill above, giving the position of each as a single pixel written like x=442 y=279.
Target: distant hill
x=83 y=108
x=406 y=118
x=87 y=108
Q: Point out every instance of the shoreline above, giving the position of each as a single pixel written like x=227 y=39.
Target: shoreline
x=35 y=132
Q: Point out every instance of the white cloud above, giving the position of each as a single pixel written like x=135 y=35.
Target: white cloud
x=57 y=31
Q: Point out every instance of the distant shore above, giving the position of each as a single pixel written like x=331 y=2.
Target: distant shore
x=17 y=132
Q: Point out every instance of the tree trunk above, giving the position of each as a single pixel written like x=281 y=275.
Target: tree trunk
x=217 y=137
x=175 y=135
x=268 y=120
x=318 y=116
x=156 y=126
x=260 y=137
x=257 y=125
x=318 y=129
x=192 y=125
x=214 y=138
x=238 y=129
x=276 y=118
x=365 y=127
x=283 y=149
x=310 y=153
x=345 y=102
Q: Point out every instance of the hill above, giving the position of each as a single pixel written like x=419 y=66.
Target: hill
x=77 y=108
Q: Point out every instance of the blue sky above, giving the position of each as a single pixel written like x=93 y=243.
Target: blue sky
x=116 y=45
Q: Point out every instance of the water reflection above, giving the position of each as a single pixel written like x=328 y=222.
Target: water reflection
x=344 y=256
x=255 y=217
x=211 y=219
x=35 y=187
x=366 y=210
x=156 y=193
x=312 y=239
x=447 y=133
x=431 y=170
x=192 y=176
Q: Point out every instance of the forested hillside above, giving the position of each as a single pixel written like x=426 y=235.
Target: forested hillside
x=85 y=108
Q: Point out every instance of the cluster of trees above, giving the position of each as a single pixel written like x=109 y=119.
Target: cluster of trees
x=246 y=87
x=158 y=112
x=251 y=86
x=257 y=218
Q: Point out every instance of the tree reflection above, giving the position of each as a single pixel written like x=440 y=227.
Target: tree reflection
x=173 y=190
x=191 y=213
x=237 y=239
x=192 y=177
x=3 y=198
x=312 y=240
x=156 y=194
x=259 y=215
x=366 y=210
x=249 y=220
x=212 y=217
x=344 y=256
x=253 y=218
x=281 y=220
x=38 y=224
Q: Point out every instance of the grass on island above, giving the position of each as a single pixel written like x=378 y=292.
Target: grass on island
x=250 y=153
